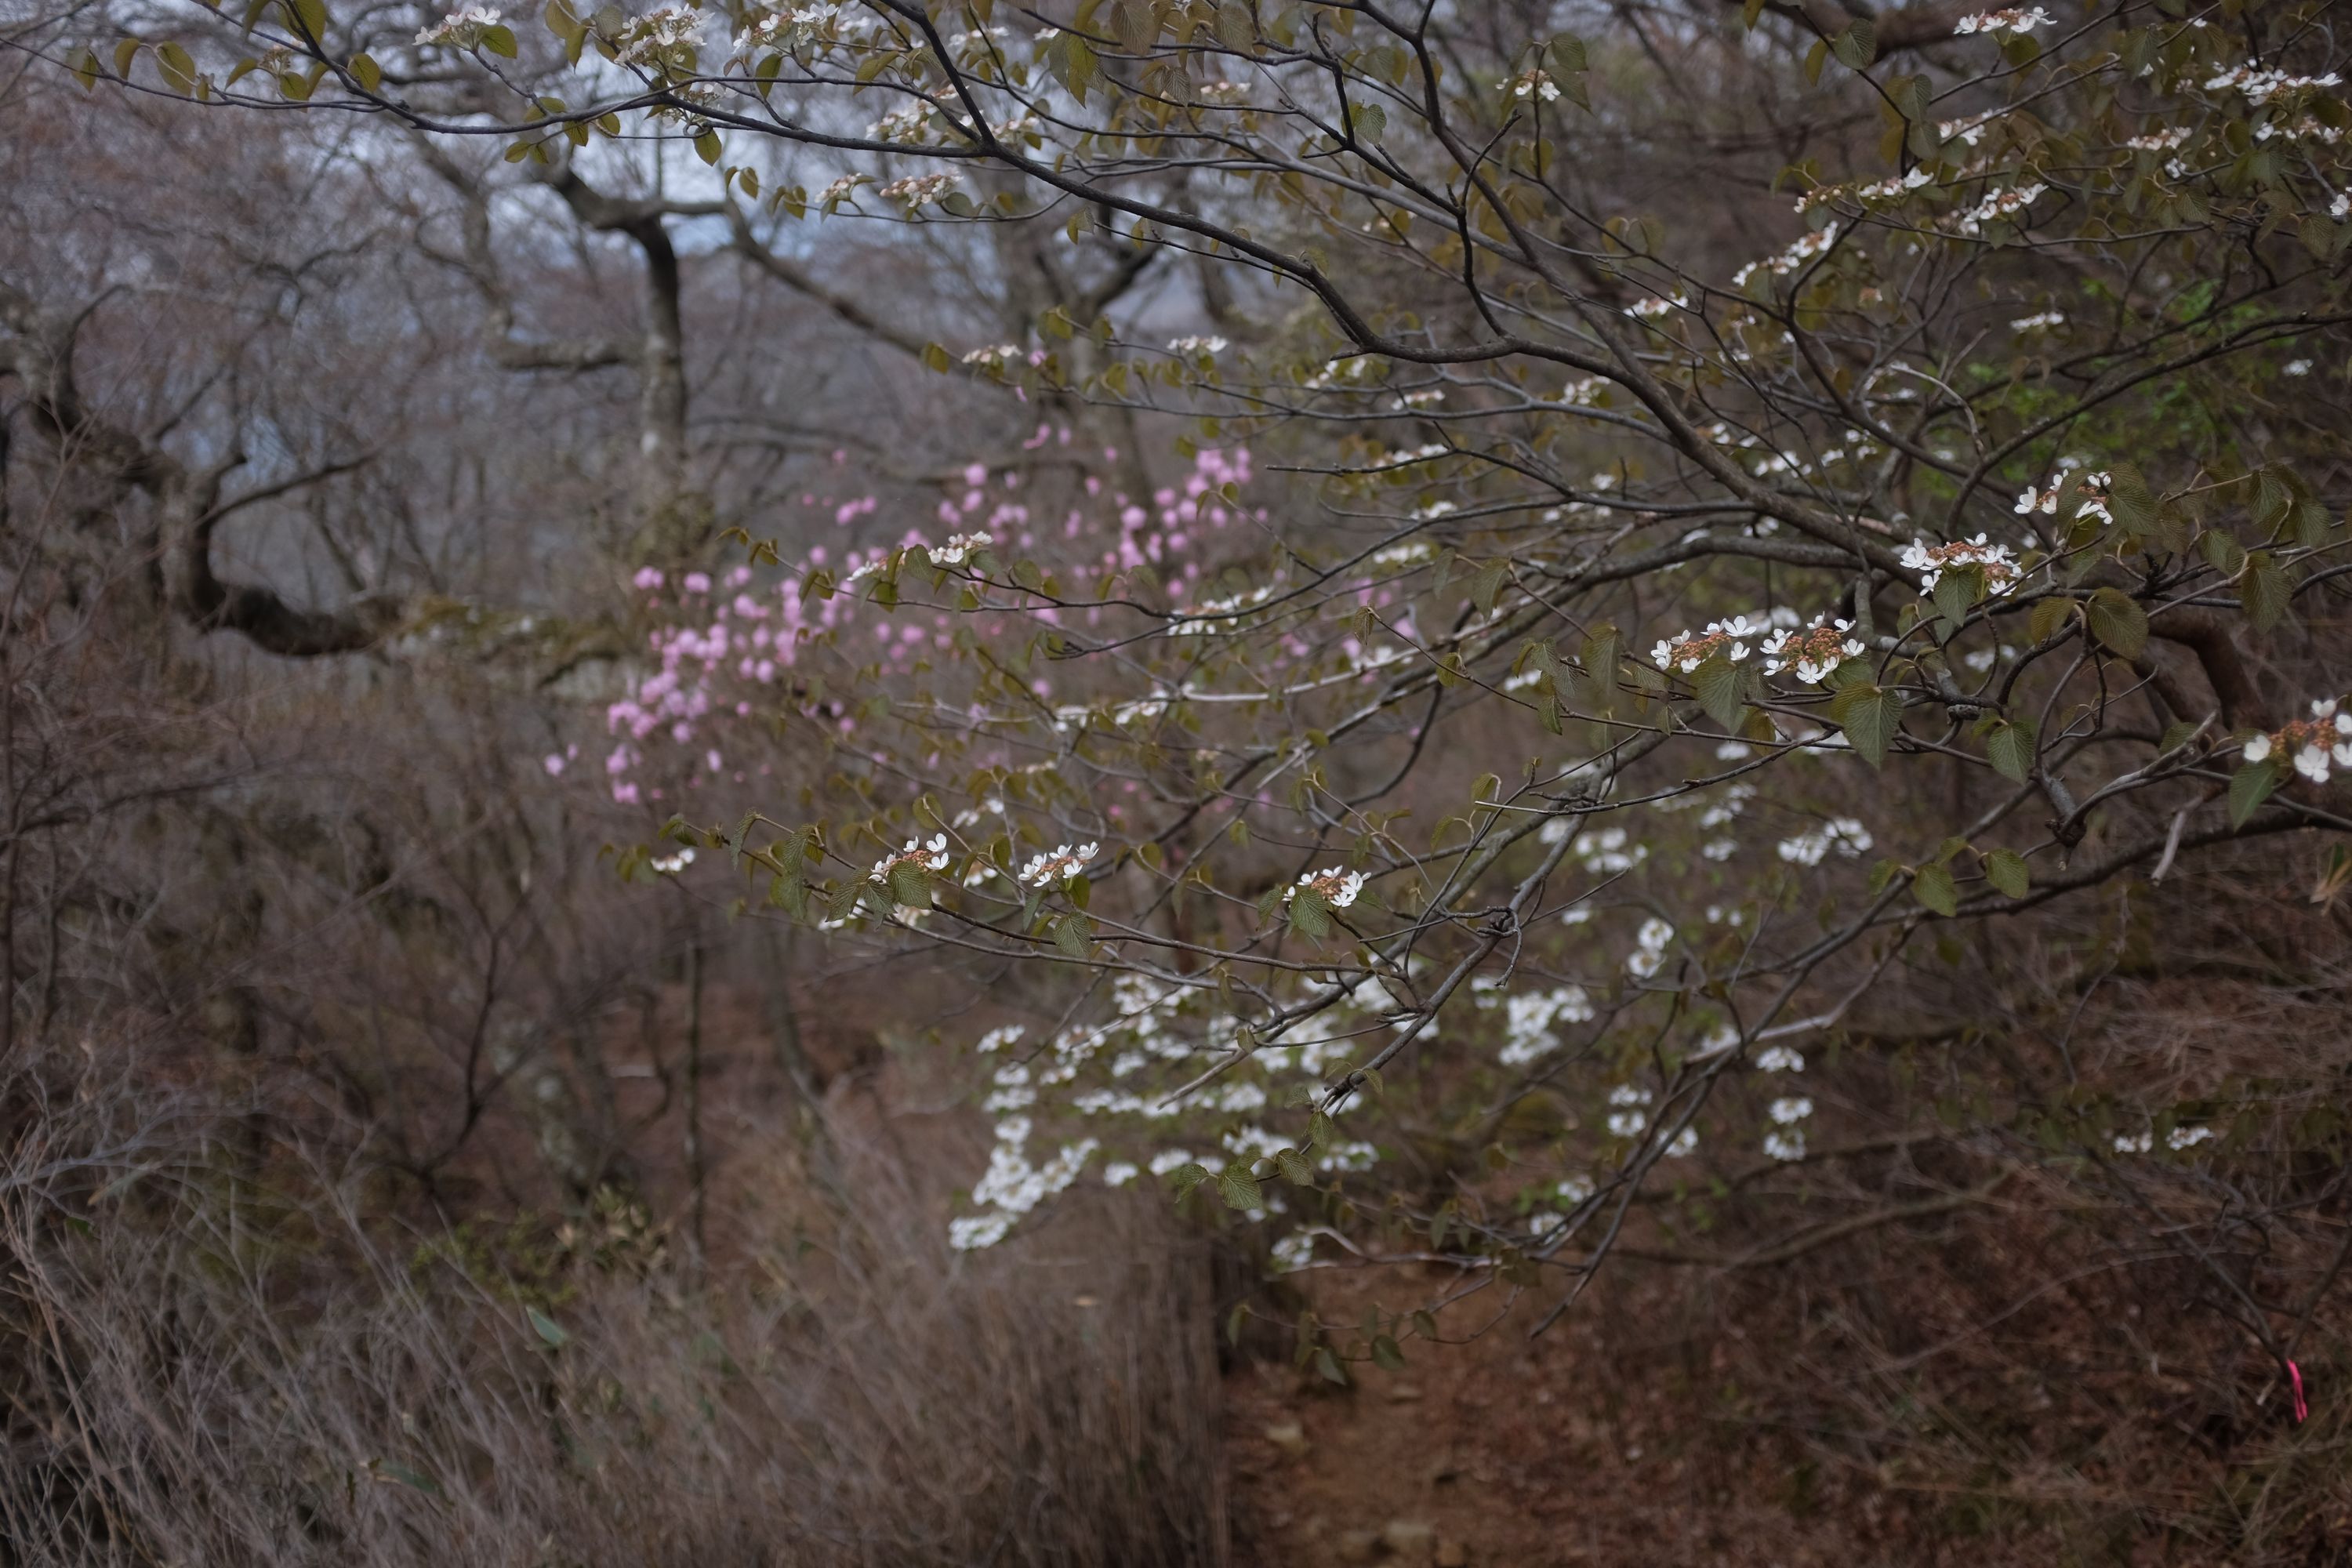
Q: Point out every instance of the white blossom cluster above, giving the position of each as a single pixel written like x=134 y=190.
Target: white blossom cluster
x=1059 y=864
x=1529 y=1018
x=1650 y=945
x=1812 y=653
x=915 y=190
x=1998 y=562
x=931 y=857
x=2015 y=22
x=2177 y=1140
x=1999 y=206
x=2263 y=87
x=1786 y=1139
x=461 y=29
x=1803 y=250
x=1011 y=1186
x=645 y=40
x=1734 y=639
x=1847 y=835
x=1534 y=82
x=1631 y=1117
x=960 y=548
x=2312 y=744
x=1337 y=887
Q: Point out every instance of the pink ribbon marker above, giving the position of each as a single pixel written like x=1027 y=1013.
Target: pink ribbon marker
x=2295 y=1376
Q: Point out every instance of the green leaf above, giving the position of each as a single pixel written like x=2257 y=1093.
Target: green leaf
x=179 y=72
x=2006 y=869
x=1870 y=715
x=1722 y=688
x=707 y=147
x=1329 y=1365
x=2250 y=787
x=911 y=885
x=2222 y=551
x=1485 y=587
x=499 y=41
x=1239 y=1188
x=2266 y=589
x=124 y=53
x=2130 y=498
x=1858 y=45
x=1294 y=1167
x=2117 y=621
x=1184 y=1178
x=547 y=1327
x=2009 y=748
x=366 y=72
x=1932 y=886
x=2049 y=615
x=1074 y=934
x=1958 y=589
x=1310 y=913
x=1386 y=1354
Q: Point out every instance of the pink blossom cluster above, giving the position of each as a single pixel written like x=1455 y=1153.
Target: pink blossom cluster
x=723 y=650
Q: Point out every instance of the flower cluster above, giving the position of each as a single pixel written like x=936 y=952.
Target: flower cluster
x=2312 y=744
x=2040 y=321
x=1999 y=206
x=1996 y=562
x=2263 y=87
x=960 y=548
x=1847 y=835
x=1786 y=1140
x=2015 y=22
x=1812 y=653
x=1805 y=250
x=931 y=857
x=462 y=29
x=1529 y=1016
x=915 y=190
x=1734 y=639
x=650 y=38
x=1196 y=346
x=1534 y=82
x=2090 y=501
x=1338 y=887
x=1057 y=866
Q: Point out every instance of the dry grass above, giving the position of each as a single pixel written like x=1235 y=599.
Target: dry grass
x=210 y=1363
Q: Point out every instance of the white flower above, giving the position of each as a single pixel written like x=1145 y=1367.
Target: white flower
x=2296 y=367
x=461 y=29
x=958 y=547
x=1337 y=887
x=1118 y=1173
x=1847 y=835
x=1996 y=562
x=1790 y=1110
x=1813 y=653
x=1779 y=1058
x=1059 y=864
x=1533 y=82
x=1650 y=950
x=2038 y=322
x=2017 y=22
x=2258 y=749
x=1685 y=1145
x=2135 y=1143
x=1785 y=1144
x=1196 y=346
x=2186 y=1137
